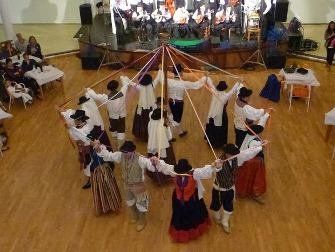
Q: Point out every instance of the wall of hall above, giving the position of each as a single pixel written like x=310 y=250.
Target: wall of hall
x=67 y=11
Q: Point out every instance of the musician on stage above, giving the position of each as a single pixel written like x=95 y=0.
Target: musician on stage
x=201 y=20
x=162 y=18
x=141 y=17
x=148 y=6
x=121 y=13
x=219 y=21
x=180 y=18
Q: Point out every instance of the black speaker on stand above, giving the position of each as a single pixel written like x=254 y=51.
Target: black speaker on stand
x=86 y=14
x=281 y=11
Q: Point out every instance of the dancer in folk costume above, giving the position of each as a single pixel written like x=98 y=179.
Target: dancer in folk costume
x=250 y=177
x=106 y=194
x=244 y=114
x=176 y=91
x=159 y=143
x=92 y=111
x=223 y=192
x=145 y=104
x=115 y=102
x=189 y=213
x=217 y=119
x=132 y=170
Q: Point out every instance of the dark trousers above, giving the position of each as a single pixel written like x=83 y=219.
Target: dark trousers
x=330 y=55
x=224 y=199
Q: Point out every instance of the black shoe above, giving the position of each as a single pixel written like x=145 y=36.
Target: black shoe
x=87 y=185
x=184 y=133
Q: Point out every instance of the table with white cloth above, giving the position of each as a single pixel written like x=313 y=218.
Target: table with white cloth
x=294 y=79
x=49 y=74
x=330 y=122
x=16 y=60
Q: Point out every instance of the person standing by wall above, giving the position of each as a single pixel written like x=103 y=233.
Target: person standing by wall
x=330 y=42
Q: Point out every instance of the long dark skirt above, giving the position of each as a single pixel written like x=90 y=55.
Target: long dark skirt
x=159 y=177
x=217 y=135
x=140 y=124
x=189 y=219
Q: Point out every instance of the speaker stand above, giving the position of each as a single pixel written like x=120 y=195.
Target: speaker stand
x=109 y=61
x=258 y=59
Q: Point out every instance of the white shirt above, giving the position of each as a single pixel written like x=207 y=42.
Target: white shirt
x=180 y=14
x=165 y=16
x=200 y=13
x=249 y=140
x=246 y=112
x=176 y=87
x=159 y=137
x=92 y=111
x=4 y=115
x=81 y=134
x=147 y=98
x=219 y=100
x=116 y=107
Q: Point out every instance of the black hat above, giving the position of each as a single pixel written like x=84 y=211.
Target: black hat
x=182 y=167
x=221 y=86
x=231 y=149
x=128 y=146
x=145 y=80
x=82 y=100
x=79 y=115
x=95 y=133
x=255 y=128
x=244 y=92
x=99 y=4
x=177 y=69
x=112 y=85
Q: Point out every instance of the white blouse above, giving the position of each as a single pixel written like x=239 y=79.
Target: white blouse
x=246 y=112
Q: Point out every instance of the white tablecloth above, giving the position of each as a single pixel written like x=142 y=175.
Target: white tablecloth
x=49 y=74
x=16 y=60
x=330 y=117
x=300 y=79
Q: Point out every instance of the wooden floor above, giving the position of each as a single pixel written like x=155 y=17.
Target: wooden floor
x=43 y=207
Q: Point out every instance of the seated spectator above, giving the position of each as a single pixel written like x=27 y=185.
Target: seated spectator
x=3 y=134
x=18 y=90
x=34 y=48
x=15 y=74
x=29 y=64
x=20 y=44
x=9 y=50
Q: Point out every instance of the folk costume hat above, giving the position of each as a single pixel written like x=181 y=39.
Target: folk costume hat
x=244 y=92
x=145 y=80
x=182 y=167
x=255 y=128
x=95 y=133
x=222 y=86
x=231 y=149
x=83 y=99
x=80 y=115
x=128 y=146
x=112 y=85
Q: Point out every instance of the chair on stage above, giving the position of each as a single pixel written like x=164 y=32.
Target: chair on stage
x=253 y=27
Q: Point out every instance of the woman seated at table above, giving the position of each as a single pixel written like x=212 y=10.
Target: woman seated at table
x=29 y=64
x=34 y=48
x=14 y=73
x=8 y=50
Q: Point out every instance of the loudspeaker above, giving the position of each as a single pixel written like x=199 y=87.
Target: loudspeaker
x=85 y=14
x=275 y=59
x=90 y=61
x=281 y=11
x=294 y=41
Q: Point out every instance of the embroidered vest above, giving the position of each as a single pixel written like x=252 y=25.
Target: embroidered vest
x=131 y=170
x=184 y=187
x=226 y=176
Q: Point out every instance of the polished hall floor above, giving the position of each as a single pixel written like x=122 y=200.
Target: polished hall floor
x=43 y=207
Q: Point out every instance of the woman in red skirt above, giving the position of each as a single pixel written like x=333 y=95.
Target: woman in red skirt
x=189 y=213
x=250 y=177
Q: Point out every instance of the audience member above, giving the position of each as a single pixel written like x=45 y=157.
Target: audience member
x=29 y=64
x=21 y=43
x=34 y=48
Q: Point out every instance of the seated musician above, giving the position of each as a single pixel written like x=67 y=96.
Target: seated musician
x=219 y=20
x=162 y=18
x=141 y=18
x=121 y=14
x=148 y=6
x=180 y=19
x=200 y=20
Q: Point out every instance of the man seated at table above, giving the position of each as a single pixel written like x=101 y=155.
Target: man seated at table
x=29 y=64
x=14 y=73
x=21 y=43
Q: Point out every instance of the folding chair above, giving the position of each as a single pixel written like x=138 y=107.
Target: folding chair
x=300 y=91
x=12 y=98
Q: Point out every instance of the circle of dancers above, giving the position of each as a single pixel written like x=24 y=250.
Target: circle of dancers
x=238 y=171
